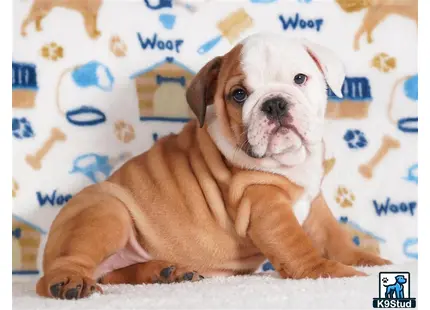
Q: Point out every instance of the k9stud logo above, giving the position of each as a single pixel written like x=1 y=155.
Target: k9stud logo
x=394 y=291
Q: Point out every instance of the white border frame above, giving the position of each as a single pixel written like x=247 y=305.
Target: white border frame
x=6 y=160
x=423 y=150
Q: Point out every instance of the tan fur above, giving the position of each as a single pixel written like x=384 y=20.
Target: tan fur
x=41 y=8
x=189 y=207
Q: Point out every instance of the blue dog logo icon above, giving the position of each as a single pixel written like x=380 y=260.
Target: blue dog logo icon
x=395 y=288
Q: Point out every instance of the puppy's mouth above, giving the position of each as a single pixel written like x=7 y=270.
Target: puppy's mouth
x=285 y=126
x=283 y=130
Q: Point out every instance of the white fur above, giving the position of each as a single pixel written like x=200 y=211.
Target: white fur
x=270 y=63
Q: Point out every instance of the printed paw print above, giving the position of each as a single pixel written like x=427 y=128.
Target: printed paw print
x=344 y=197
x=124 y=132
x=383 y=62
x=385 y=280
x=355 y=139
x=117 y=46
x=52 y=51
x=21 y=128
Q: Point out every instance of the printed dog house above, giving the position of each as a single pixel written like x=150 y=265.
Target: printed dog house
x=161 y=91
x=24 y=85
x=26 y=240
x=355 y=102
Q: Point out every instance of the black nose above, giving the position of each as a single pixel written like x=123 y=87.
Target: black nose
x=275 y=107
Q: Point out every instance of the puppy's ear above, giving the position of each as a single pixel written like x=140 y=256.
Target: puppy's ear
x=329 y=64
x=201 y=91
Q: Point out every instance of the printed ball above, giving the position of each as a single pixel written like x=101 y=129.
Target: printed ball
x=21 y=128
x=355 y=139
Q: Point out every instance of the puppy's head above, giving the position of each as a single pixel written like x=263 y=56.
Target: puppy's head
x=269 y=95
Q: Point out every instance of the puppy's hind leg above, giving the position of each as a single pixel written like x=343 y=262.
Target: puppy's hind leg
x=151 y=272
x=91 y=227
x=333 y=241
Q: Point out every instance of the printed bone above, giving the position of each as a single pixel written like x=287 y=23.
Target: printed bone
x=388 y=143
x=35 y=161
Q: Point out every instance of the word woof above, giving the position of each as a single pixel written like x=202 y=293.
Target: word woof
x=298 y=22
x=53 y=199
x=157 y=43
x=394 y=208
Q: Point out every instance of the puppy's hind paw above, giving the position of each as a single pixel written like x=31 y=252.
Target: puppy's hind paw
x=172 y=274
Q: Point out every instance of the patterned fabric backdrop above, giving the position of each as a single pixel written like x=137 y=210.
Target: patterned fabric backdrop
x=95 y=82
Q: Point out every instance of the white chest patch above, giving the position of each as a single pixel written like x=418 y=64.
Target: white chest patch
x=301 y=210
x=308 y=175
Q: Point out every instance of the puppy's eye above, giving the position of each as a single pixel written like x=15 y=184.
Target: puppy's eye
x=239 y=95
x=300 y=79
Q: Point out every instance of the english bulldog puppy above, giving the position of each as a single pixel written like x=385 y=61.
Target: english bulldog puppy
x=240 y=184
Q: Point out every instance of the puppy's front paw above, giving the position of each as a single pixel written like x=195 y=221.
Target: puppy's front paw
x=362 y=258
x=65 y=286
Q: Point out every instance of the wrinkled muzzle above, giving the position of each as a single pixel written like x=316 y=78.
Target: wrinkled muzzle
x=280 y=120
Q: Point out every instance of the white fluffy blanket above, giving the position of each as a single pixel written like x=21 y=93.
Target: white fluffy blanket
x=266 y=291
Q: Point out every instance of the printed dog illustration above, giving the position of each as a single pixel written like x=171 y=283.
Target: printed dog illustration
x=377 y=11
x=395 y=288
x=41 y=8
